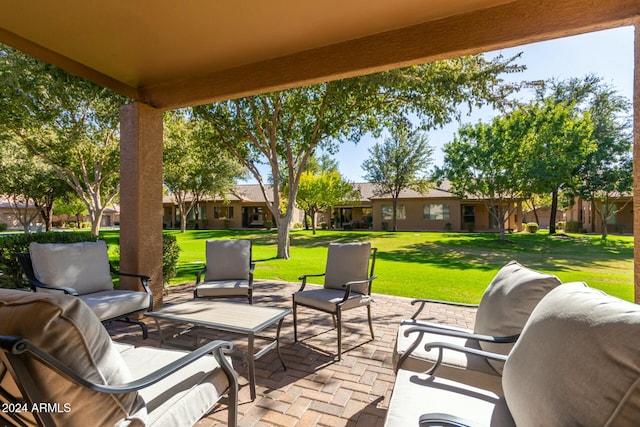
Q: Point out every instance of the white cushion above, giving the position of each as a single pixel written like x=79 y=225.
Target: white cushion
x=182 y=398
x=416 y=394
x=111 y=304
x=327 y=299
x=222 y=288
x=576 y=362
x=82 y=266
x=507 y=303
x=228 y=259
x=347 y=262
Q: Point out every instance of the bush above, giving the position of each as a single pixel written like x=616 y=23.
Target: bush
x=297 y=226
x=268 y=224
x=323 y=226
x=573 y=227
x=10 y=270
x=532 y=227
x=470 y=226
x=3 y=226
x=448 y=226
x=170 y=254
x=560 y=225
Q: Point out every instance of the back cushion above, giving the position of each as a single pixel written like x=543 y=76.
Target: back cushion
x=347 y=262
x=67 y=329
x=228 y=259
x=507 y=303
x=577 y=362
x=82 y=266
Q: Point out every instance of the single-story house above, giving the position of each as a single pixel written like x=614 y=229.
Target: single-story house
x=586 y=213
x=242 y=207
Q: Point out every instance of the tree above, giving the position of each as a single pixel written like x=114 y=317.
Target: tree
x=283 y=129
x=317 y=192
x=70 y=205
x=483 y=161
x=191 y=170
x=68 y=122
x=28 y=183
x=400 y=163
x=607 y=173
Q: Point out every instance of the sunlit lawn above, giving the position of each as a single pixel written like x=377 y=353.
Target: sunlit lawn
x=449 y=266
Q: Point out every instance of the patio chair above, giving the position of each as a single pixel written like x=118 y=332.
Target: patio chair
x=228 y=271
x=575 y=364
x=55 y=352
x=83 y=270
x=347 y=285
x=504 y=308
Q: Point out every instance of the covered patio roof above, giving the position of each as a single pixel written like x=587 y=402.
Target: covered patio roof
x=166 y=54
x=173 y=54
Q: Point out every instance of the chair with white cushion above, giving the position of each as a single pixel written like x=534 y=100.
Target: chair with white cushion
x=54 y=351
x=83 y=270
x=503 y=310
x=575 y=364
x=347 y=285
x=228 y=272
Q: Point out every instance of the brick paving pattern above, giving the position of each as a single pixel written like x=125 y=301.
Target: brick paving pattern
x=315 y=390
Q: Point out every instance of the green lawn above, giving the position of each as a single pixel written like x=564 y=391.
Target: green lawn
x=449 y=266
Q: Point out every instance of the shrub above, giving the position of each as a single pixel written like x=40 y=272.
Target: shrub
x=447 y=226
x=560 y=225
x=3 y=226
x=470 y=226
x=532 y=227
x=268 y=224
x=170 y=254
x=323 y=226
x=573 y=227
x=72 y=224
x=297 y=225
x=225 y=222
x=10 y=270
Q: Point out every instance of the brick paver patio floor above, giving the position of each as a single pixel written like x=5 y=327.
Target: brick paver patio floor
x=315 y=390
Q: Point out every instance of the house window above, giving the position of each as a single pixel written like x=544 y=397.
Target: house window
x=387 y=212
x=223 y=212
x=435 y=211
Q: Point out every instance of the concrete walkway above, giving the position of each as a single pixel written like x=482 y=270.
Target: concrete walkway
x=315 y=390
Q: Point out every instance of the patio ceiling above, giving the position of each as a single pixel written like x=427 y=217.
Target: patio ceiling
x=171 y=54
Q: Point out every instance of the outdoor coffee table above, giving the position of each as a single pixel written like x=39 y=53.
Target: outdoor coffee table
x=230 y=317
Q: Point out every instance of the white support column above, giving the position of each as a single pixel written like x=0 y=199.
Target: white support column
x=141 y=195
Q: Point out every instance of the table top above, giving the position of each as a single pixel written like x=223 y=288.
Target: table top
x=226 y=316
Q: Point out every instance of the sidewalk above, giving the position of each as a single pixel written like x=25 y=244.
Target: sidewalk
x=315 y=390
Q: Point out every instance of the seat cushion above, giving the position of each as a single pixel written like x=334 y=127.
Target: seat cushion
x=457 y=366
x=327 y=299
x=111 y=304
x=228 y=259
x=222 y=288
x=67 y=329
x=416 y=394
x=83 y=266
x=507 y=303
x=576 y=362
x=347 y=262
x=183 y=397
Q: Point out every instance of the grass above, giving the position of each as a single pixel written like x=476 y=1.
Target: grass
x=447 y=266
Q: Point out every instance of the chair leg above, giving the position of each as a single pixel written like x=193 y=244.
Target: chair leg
x=143 y=326
x=295 y=322
x=338 y=317
x=370 y=324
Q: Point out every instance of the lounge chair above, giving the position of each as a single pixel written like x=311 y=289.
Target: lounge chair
x=575 y=364
x=228 y=271
x=83 y=270
x=503 y=310
x=347 y=285
x=55 y=352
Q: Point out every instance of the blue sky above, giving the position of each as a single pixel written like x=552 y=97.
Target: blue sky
x=608 y=54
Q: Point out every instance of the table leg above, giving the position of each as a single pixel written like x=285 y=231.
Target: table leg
x=278 y=344
x=251 y=366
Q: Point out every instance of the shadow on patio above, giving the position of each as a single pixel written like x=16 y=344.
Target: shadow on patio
x=314 y=390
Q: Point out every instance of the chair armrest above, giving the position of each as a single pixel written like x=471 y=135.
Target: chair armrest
x=445 y=420
x=460 y=334
x=199 y=275
x=304 y=279
x=144 y=280
x=17 y=346
x=252 y=268
x=35 y=283
x=443 y=345
x=423 y=302
x=348 y=285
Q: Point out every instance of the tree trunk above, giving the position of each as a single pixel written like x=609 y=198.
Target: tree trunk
x=96 y=219
x=306 y=224
x=312 y=214
x=554 y=209
x=183 y=221
x=283 y=238
x=394 y=206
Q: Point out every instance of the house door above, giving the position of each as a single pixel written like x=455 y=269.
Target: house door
x=468 y=217
x=245 y=217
